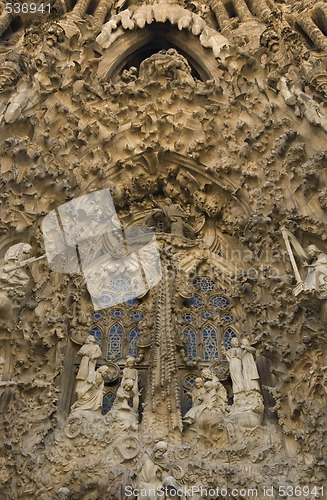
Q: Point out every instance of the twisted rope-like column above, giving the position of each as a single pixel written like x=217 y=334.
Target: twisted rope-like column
x=5 y=20
x=101 y=11
x=313 y=32
x=80 y=7
x=242 y=10
x=220 y=14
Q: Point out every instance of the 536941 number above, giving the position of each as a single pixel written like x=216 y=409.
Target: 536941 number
x=26 y=8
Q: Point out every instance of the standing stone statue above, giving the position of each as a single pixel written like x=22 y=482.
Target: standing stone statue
x=197 y=396
x=174 y=213
x=249 y=368
x=90 y=394
x=90 y=353
x=130 y=373
x=235 y=356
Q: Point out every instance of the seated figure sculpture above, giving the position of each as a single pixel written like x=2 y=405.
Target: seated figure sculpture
x=90 y=394
x=207 y=417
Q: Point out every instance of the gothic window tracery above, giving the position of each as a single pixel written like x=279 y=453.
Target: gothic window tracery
x=116 y=330
x=204 y=329
x=108 y=401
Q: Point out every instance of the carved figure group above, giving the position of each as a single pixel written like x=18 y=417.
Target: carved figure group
x=242 y=367
x=209 y=403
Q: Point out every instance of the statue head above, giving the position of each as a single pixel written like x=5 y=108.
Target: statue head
x=90 y=340
x=130 y=361
x=167 y=201
x=128 y=384
x=160 y=449
x=198 y=382
x=103 y=370
x=234 y=342
x=207 y=374
x=313 y=250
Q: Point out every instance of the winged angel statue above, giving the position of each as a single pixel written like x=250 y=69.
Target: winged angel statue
x=315 y=263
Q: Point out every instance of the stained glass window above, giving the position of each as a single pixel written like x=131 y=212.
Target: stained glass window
x=96 y=332
x=189 y=381
x=137 y=316
x=97 y=316
x=188 y=317
x=115 y=341
x=108 y=401
x=191 y=343
x=229 y=334
x=228 y=318
x=219 y=301
x=204 y=284
x=207 y=314
x=196 y=301
x=188 y=403
x=117 y=313
x=132 y=346
x=210 y=346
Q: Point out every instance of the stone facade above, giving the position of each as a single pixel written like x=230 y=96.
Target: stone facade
x=207 y=122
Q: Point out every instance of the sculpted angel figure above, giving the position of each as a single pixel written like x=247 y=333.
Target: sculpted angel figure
x=313 y=259
x=174 y=213
x=317 y=268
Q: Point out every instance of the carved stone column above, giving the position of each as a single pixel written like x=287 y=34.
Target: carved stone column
x=162 y=413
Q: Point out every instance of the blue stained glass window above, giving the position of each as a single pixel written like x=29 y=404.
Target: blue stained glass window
x=219 y=301
x=210 y=346
x=96 y=332
x=137 y=316
x=229 y=334
x=189 y=381
x=188 y=317
x=106 y=299
x=117 y=313
x=196 y=301
x=191 y=343
x=207 y=314
x=115 y=341
x=132 y=346
x=108 y=401
x=228 y=318
x=120 y=284
x=204 y=284
x=188 y=403
x=97 y=316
